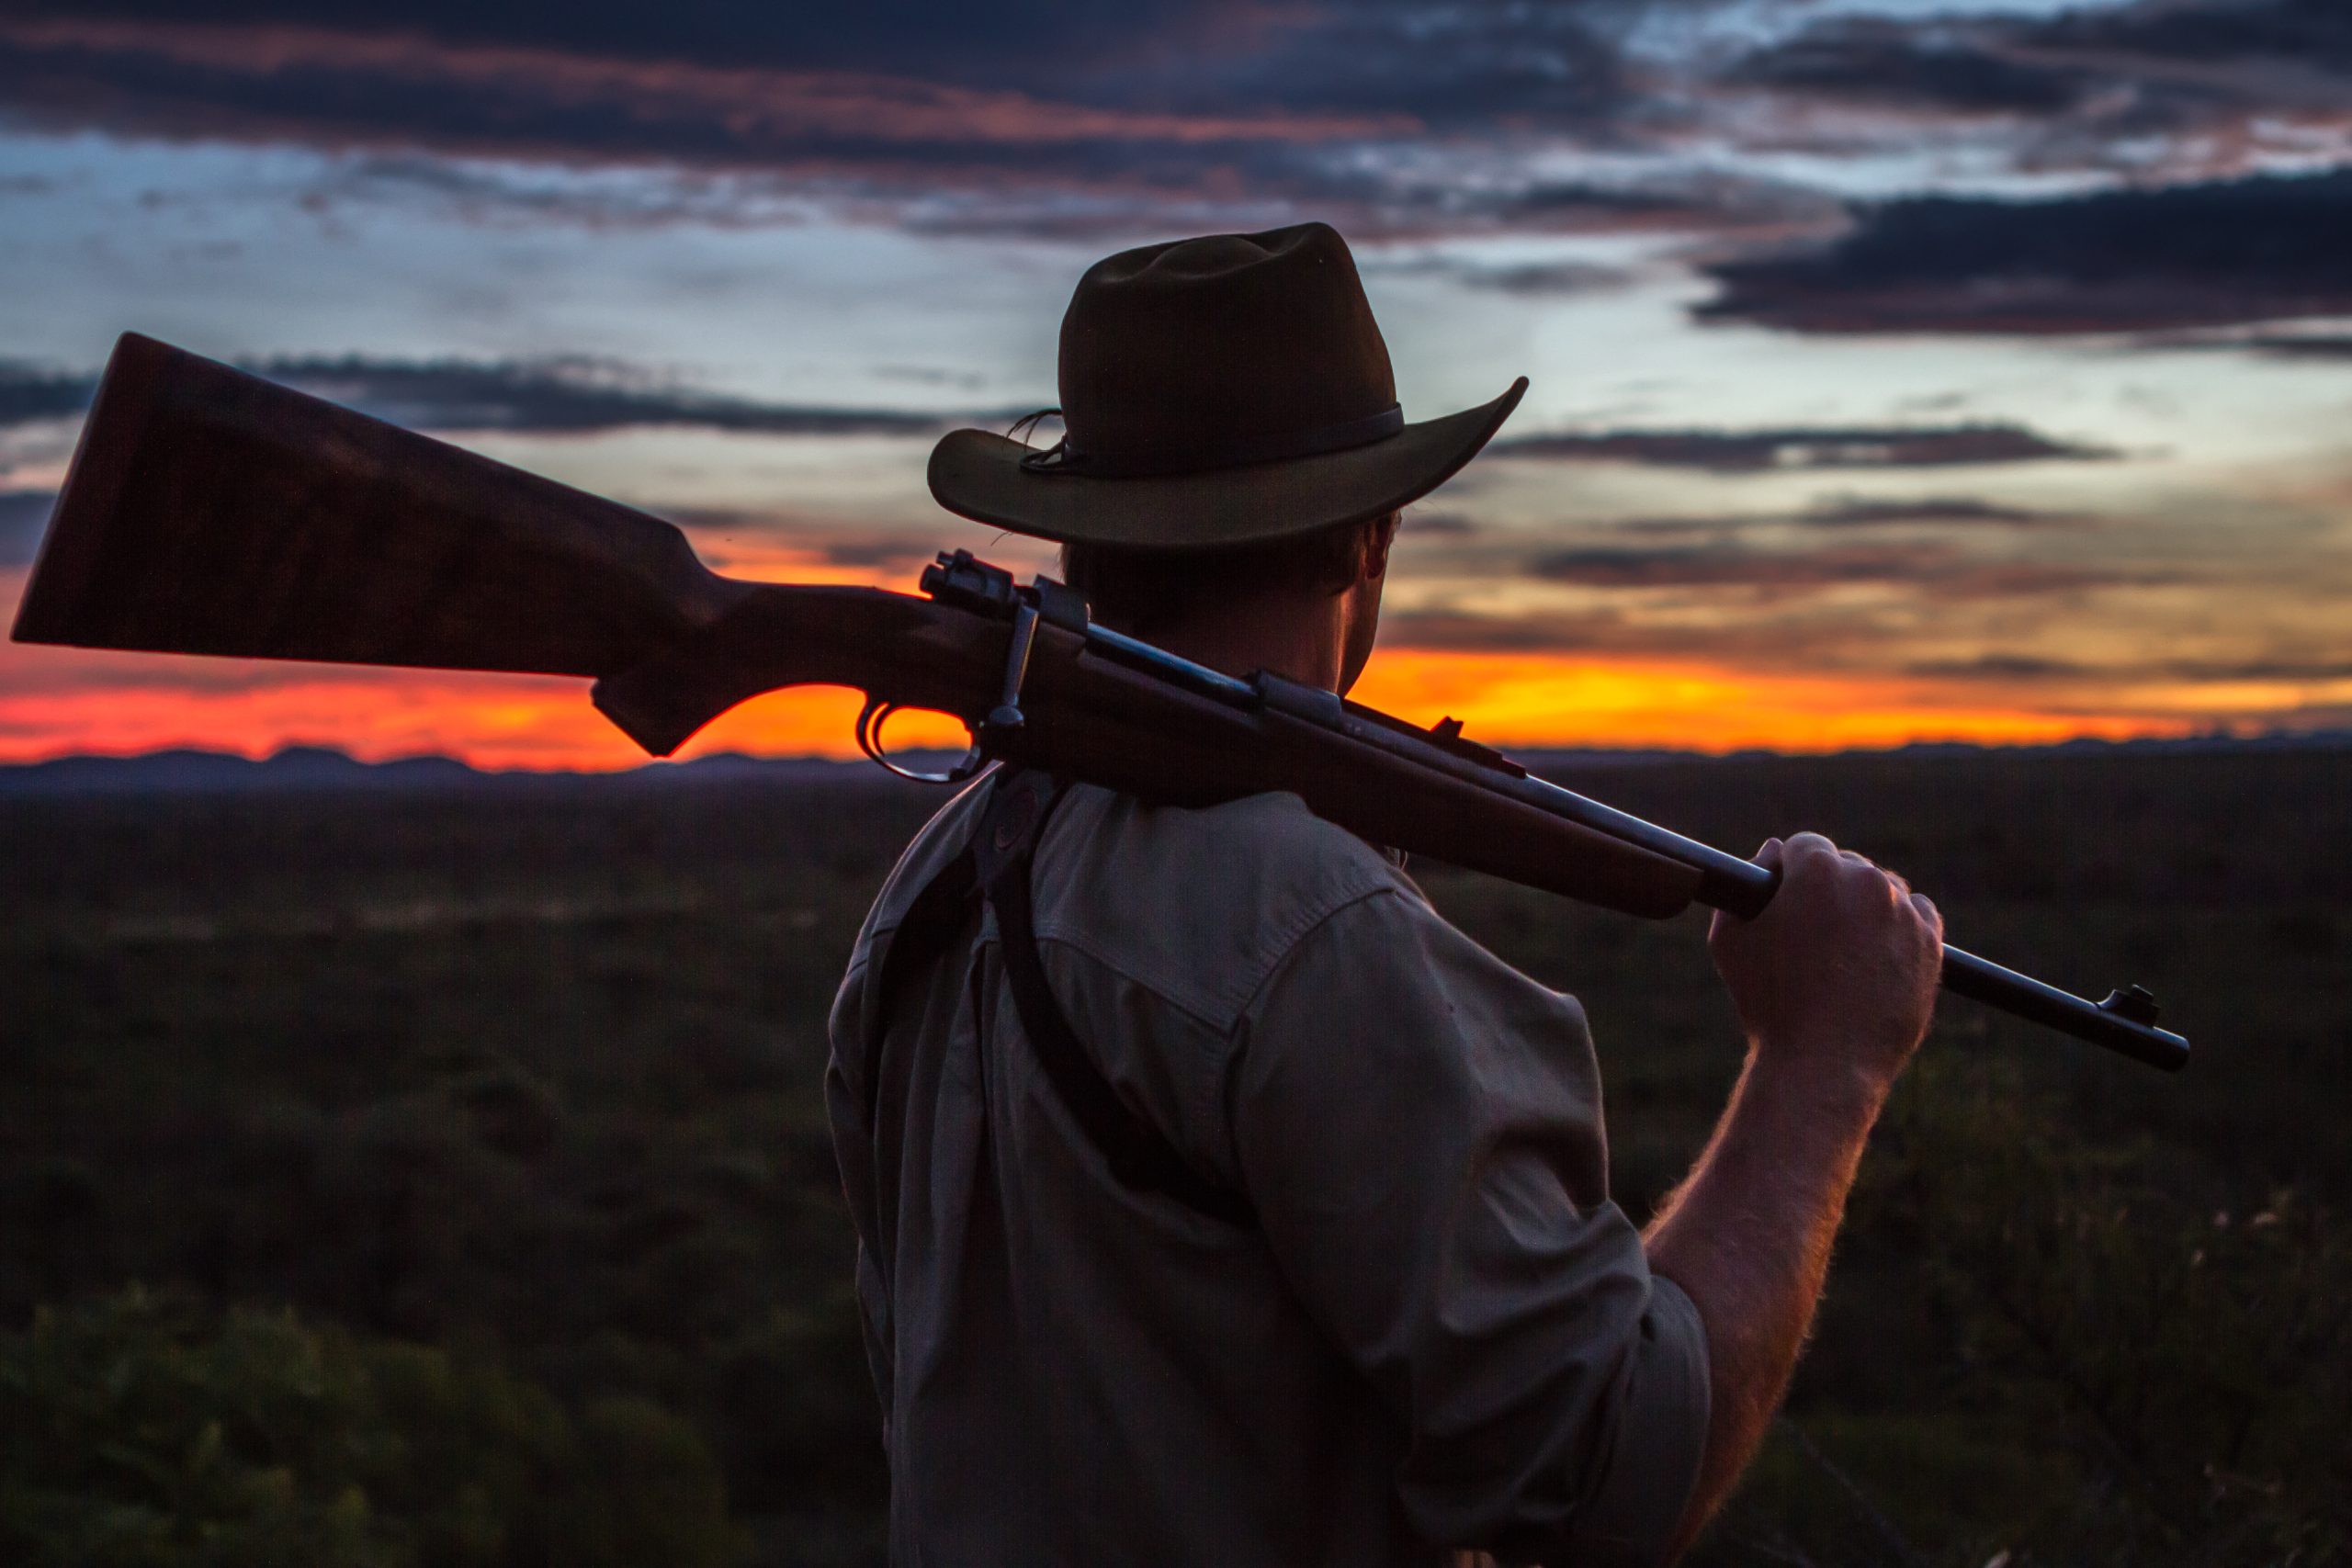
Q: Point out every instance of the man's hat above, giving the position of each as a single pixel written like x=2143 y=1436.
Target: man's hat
x=1226 y=390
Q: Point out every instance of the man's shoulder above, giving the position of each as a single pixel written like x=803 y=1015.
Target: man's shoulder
x=1198 y=905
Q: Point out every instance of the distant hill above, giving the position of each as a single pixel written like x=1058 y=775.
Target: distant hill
x=316 y=768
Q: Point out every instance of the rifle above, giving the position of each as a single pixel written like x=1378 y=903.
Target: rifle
x=210 y=512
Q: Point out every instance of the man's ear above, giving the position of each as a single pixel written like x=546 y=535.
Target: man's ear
x=1380 y=532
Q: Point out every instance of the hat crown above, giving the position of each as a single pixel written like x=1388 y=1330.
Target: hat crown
x=1196 y=353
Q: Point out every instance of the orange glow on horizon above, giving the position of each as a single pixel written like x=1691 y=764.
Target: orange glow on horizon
x=1528 y=700
x=530 y=722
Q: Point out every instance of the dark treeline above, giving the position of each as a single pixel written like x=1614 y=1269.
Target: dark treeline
x=439 y=1174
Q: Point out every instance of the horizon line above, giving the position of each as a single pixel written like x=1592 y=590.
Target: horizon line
x=2217 y=738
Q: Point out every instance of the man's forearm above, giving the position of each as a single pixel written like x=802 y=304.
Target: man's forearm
x=1747 y=1237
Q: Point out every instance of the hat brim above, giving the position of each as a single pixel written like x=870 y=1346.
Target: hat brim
x=978 y=474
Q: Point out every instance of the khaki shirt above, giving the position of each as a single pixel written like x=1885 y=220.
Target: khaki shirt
x=1441 y=1333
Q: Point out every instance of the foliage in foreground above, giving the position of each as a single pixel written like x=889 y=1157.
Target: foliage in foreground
x=138 y=1429
x=2122 y=1375
x=478 y=1140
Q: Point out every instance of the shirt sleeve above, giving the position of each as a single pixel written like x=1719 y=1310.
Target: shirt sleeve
x=1419 y=1125
x=853 y=1133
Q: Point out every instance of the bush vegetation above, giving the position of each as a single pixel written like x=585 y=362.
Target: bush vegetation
x=439 y=1176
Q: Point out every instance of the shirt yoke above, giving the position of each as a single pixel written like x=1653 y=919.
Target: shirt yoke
x=1199 y=906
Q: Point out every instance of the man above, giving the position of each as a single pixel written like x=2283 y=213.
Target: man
x=1218 y=1202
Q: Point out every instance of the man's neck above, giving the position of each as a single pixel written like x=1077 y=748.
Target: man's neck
x=1299 y=641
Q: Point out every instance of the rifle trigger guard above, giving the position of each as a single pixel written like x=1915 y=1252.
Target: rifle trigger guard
x=870 y=720
x=1003 y=720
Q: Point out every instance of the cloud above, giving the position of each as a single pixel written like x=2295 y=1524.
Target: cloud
x=1527 y=280
x=1880 y=61
x=1936 y=572
x=1032 y=119
x=1444 y=525
x=2208 y=255
x=935 y=35
x=1796 y=448
x=1859 y=511
x=2321 y=346
x=2019 y=666
x=2304 y=32
x=2093 y=75
x=29 y=392
x=2002 y=667
x=809 y=103
x=1842 y=513
x=23 y=514
x=541 y=397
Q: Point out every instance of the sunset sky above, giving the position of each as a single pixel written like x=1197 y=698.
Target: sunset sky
x=1900 y=370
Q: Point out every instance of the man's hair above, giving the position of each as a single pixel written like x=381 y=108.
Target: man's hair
x=1143 y=592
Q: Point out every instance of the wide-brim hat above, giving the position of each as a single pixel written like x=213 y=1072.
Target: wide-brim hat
x=1220 y=392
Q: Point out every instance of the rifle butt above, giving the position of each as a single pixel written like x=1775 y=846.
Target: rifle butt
x=208 y=511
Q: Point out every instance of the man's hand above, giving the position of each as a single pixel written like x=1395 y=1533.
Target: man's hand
x=1840 y=968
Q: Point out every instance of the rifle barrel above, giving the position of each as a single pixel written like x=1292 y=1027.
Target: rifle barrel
x=2125 y=1022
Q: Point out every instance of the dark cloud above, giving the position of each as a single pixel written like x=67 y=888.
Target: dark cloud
x=1781 y=629
x=550 y=397
x=1531 y=279
x=1448 y=65
x=941 y=40
x=1549 y=278
x=2001 y=667
x=1880 y=62
x=1842 y=513
x=1939 y=572
x=2287 y=345
x=2305 y=32
x=561 y=396
x=2235 y=251
x=1855 y=511
x=1445 y=524
x=1795 y=447
x=1036 y=117
x=23 y=514
x=30 y=392
x=2018 y=667
x=811 y=102
x=2098 y=74
x=1460 y=632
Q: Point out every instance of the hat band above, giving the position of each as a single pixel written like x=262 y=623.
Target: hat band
x=1062 y=457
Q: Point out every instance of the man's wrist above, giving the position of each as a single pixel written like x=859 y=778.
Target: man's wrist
x=1822 y=1072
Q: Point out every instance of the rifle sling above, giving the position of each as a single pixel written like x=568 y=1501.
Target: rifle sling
x=998 y=863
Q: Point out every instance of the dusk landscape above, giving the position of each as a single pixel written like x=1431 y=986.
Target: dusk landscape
x=413 y=1143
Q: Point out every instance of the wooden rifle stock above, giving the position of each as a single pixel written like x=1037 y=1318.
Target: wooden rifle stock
x=208 y=511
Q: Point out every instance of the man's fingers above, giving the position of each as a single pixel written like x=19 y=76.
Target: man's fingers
x=1929 y=913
